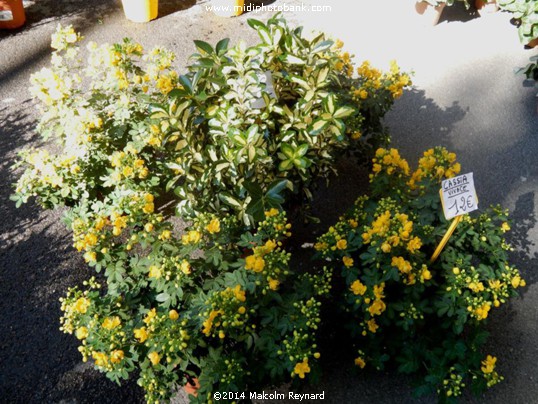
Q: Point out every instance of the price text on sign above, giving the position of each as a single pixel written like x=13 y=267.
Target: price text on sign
x=458 y=196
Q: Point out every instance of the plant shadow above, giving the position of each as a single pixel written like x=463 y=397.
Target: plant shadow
x=458 y=13
x=37 y=266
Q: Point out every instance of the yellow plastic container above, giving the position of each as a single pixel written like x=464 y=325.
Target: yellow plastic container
x=140 y=10
x=228 y=8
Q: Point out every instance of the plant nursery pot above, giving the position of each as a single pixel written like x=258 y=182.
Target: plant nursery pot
x=486 y=6
x=192 y=389
x=228 y=8
x=432 y=14
x=11 y=14
x=532 y=44
x=140 y=10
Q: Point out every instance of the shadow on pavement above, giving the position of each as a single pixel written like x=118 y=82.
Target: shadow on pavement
x=523 y=220
x=37 y=264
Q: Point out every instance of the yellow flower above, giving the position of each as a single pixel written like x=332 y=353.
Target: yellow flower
x=185 y=267
x=481 y=312
x=127 y=171
x=148 y=208
x=273 y=284
x=372 y=326
x=82 y=333
x=302 y=368
x=385 y=247
x=426 y=274
x=143 y=173
x=150 y=316
x=360 y=362
x=148 y=227
x=403 y=266
x=348 y=261
x=192 y=237
x=341 y=244
x=81 y=305
x=241 y=310
x=488 y=364
x=356 y=135
x=254 y=263
x=378 y=291
x=516 y=281
x=100 y=358
x=269 y=246
x=173 y=314
x=165 y=235
x=116 y=356
x=100 y=223
x=358 y=288
x=213 y=226
x=239 y=294
x=111 y=322
x=414 y=244
x=272 y=212
x=505 y=227
x=154 y=272
x=321 y=246
x=90 y=256
x=377 y=307
x=154 y=358
x=208 y=323
x=141 y=334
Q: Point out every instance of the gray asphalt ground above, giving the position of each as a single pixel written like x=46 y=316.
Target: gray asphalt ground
x=465 y=97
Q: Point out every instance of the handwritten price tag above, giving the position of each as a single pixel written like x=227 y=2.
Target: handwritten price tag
x=458 y=196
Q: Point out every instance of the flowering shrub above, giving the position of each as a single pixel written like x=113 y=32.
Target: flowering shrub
x=525 y=13
x=245 y=124
x=234 y=317
x=427 y=317
x=135 y=141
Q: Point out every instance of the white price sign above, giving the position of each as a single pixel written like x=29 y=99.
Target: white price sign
x=458 y=196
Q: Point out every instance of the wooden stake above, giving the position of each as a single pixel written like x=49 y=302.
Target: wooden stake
x=446 y=237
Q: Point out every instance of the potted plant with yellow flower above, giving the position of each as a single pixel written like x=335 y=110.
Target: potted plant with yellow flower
x=425 y=316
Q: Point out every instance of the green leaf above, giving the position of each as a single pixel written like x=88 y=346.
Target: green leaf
x=253 y=189
x=298 y=80
x=301 y=150
x=293 y=60
x=322 y=46
x=275 y=190
x=322 y=76
x=186 y=83
x=222 y=45
x=206 y=62
x=252 y=132
x=318 y=126
x=204 y=47
x=256 y=24
x=287 y=150
x=285 y=165
x=229 y=200
x=343 y=112
x=162 y=297
x=256 y=209
x=265 y=36
x=329 y=104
